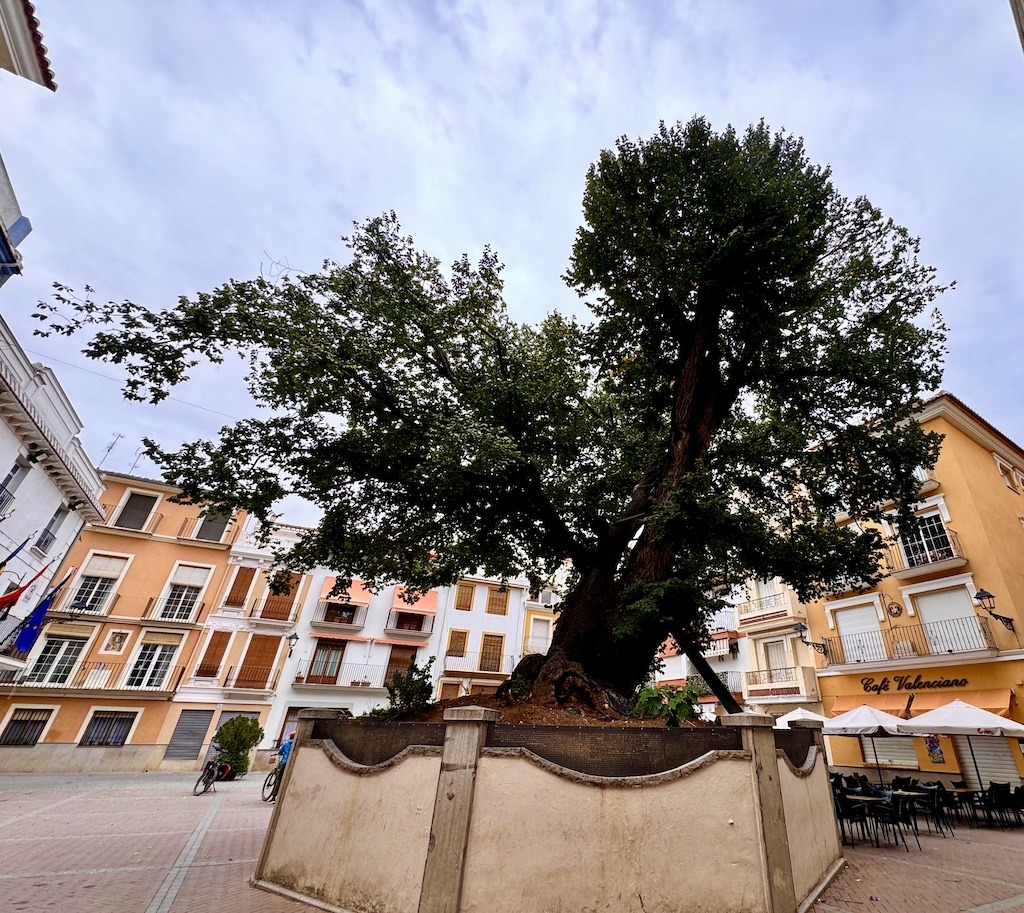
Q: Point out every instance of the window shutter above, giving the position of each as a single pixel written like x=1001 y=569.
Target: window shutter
x=464 y=597
x=188 y=575
x=240 y=587
x=280 y=606
x=189 y=734
x=497 y=601
x=104 y=566
x=490 y=652
x=136 y=511
x=457 y=643
x=214 y=654
x=258 y=662
x=157 y=637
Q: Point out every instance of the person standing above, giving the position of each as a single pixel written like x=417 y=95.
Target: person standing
x=283 y=753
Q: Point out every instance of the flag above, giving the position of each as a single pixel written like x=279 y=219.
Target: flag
x=30 y=631
x=9 y=599
x=3 y=564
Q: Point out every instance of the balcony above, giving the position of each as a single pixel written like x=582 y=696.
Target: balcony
x=213 y=532
x=152 y=524
x=782 y=606
x=933 y=552
x=344 y=675
x=768 y=685
x=722 y=644
x=6 y=499
x=343 y=615
x=248 y=678
x=98 y=677
x=169 y=608
x=493 y=663
x=45 y=542
x=409 y=623
x=936 y=638
x=274 y=608
x=732 y=680
x=11 y=658
x=537 y=645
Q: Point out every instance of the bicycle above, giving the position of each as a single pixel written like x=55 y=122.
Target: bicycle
x=215 y=768
x=270 y=783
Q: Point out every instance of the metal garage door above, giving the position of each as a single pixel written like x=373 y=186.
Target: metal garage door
x=994 y=757
x=895 y=751
x=189 y=734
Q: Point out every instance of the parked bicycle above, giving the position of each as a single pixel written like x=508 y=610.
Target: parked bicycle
x=270 y=784
x=215 y=768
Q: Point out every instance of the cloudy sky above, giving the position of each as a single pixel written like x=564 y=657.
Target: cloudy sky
x=195 y=141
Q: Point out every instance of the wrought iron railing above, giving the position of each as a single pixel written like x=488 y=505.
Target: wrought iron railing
x=920 y=551
x=252 y=677
x=777 y=603
x=934 y=638
x=273 y=607
x=537 y=644
x=341 y=675
x=410 y=622
x=6 y=498
x=772 y=676
x=169 y=608
x=732 y=680
x=102 y=677
x=329 y=612
x=503 y=663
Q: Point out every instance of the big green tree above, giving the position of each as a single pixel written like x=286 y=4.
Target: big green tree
x=757 y=346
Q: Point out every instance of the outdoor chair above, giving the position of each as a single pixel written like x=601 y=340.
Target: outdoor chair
x=1003 y=804
x=887 y=819
x=851 y=814
x=930 y=806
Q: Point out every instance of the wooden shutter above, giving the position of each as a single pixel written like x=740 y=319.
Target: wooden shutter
x=280 y=607
x=464 y=597
x=497 y=601
x=490 y=652
x=450 y=691
x=240 y=586
x=399 y=661
x=214 y=654
x=258 y=662
x=457 y=642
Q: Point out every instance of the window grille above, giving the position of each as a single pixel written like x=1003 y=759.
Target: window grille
x=108 y=727
x=25 y=727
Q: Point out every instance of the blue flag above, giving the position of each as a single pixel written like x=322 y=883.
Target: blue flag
x=27 y=638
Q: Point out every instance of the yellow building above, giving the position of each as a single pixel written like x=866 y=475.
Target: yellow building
x=98 y=691
x=923 y=637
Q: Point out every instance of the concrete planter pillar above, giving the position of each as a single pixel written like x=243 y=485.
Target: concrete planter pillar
x=759 y=740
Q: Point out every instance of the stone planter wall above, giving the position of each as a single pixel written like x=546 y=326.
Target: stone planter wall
x=469 y=816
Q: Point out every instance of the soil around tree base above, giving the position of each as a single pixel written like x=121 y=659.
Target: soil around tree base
x=527 y=713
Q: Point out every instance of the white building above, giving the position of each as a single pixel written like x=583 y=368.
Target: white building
x=48 y=486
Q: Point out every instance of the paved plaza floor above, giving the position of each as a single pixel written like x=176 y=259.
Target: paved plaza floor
x=142 y=843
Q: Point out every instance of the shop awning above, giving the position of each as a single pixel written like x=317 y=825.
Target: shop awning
x=994 y=700
x=358 y=594
x=425 y=605
x=348 y=638
x=399 y=643
x=894 y=702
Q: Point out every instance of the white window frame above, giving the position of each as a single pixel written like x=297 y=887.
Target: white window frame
x=46 y=635
x=200 y=599
x=55 y=708
x=199 y=526
x=1010 y=475
x=129 y=666
x=114 y=590
x=128 y=492
x=852 y=602
x=138 y=711
x=942 y=583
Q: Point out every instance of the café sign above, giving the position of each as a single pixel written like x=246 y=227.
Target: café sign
x=908 y=683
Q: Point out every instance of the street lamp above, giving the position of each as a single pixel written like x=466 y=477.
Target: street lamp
x=801 y=630
x=988 y=603
x=293 y=639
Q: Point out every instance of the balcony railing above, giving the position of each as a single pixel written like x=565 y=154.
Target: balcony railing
x=101 y=677
x=732 y=680
x=769 y=606
x=274 y=608
x=8 y=646
x=934 y=638
x=111 y=514
x=502 y=663
x=772 y=676
x=409 y=622
x=45 y=541
x=169 y=609
x=6 y=499
x=537 y=644
x=717 y=648
x=250 y=677
x=71 y=605
x=345 y=614
x=344 y=675
x=920 y=552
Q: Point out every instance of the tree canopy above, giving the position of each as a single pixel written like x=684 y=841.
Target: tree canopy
x=756 y=348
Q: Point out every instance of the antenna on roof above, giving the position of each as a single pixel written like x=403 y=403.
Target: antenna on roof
x=110 y=447
x=138 y=456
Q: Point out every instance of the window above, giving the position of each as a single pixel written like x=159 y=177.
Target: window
x=55 y=662
x=108 y=727
x=186 y=585
x=928 y=543
x=11 y=482
x=497 y=600
x=25 y=727
x=464 y=597
x=259 y=661
x=1011 y=479
x=399 y=661
x=326 y=664
x=278 y=606
x=214 y=655
x=189 y=734
x=49 y=535
x=490 y=652
x=151 y=666
x=859 y=635
x=135 y=511
x=240 y=586
x=457 y=642
x=212 y=525
x=99 y=577
x=450 y=691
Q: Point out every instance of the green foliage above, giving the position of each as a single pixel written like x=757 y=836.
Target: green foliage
x=410 y=691
x=758 y=347
x=236 y=738
x=517 y=689
x=671 y=703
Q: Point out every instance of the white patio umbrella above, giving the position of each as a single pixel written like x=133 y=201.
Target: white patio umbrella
x=961 y=718
x=799 y=714
x=866 y=720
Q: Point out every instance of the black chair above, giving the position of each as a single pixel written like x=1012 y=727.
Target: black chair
x=888 y=820
x=1003 y=804
x=851 y=814
x=930 y=806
